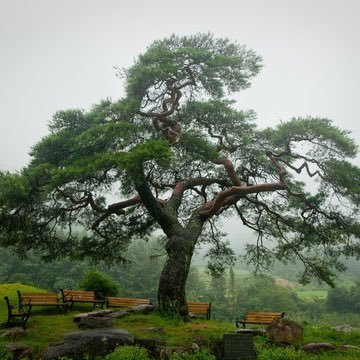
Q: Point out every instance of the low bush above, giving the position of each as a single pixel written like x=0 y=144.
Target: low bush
x=344 y=299
x=128 y=353
x=100 y=283
x=199 y=355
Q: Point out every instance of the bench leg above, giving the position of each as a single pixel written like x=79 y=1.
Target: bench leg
x=26 y=318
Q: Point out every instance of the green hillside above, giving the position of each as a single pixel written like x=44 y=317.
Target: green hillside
x=10 y=291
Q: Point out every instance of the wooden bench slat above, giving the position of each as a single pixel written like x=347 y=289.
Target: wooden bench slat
x=39 y=299
x=80 y=296
x=199 y=308
x=126 y=302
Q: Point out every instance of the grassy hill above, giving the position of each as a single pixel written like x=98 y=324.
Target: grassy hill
x=10 y=291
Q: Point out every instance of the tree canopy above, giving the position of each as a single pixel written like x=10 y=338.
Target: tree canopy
x=176 y=154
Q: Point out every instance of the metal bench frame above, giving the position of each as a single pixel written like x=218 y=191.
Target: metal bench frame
x=17 y=315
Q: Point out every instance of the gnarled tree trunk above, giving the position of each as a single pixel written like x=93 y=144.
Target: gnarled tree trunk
x=171 y=294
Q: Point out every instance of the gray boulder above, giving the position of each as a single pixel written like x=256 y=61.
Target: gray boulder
x=98 y=342
x=96 y=322
x=118 y=314
x=99 y=313
x=142 y=309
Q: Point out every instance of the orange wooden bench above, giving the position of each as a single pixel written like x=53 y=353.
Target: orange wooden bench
x=200 y=308
x=40 y=299
x=258 y=318
x=125 y=302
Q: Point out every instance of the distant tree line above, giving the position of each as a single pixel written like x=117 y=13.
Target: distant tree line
x=232 y=293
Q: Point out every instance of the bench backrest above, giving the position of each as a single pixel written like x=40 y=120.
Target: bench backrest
x=199 y=308
x=35 y=298
x=255 y=317
x=78 y=295
x=126 y=302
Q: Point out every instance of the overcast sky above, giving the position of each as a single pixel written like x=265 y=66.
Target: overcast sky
x=60 y=54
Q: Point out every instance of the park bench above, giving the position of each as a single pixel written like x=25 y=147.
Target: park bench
x=81 y=296
x=17 y=315
x=258 y=318
x=126 y=302
x=199 y=308
x=40 y=299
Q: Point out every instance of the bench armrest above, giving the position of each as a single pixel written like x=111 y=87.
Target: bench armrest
x=25 y=301
x=239 y=321
x=67 y=298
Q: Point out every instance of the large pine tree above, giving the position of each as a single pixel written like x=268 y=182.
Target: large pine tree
x=176 y=154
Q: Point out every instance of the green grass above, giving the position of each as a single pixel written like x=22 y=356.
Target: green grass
x=47 y=326
x=175 y=332
x=312 y=294
x=10 y=291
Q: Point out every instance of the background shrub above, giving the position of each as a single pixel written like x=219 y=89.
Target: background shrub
x=99 y=282
x=344 y=299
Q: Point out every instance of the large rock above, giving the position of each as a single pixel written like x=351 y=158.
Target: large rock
x=98 y=342
x=118 y=314
x=96 y=322
x=142 y=309
x=284 y=331
x=349 y=347
x=99 y=313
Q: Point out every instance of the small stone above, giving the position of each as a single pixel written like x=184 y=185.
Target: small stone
x=345 y=328
x=153 y=346
x=349 y=347
x=15 y=332
x=167 y=351
x=19 y=351
x=195 y=347
x=315 y=347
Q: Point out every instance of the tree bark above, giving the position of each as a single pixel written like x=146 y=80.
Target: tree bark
x=171 y=294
